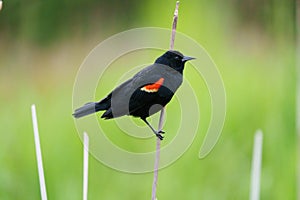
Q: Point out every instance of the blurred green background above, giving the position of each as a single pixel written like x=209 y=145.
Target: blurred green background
x=43 y=43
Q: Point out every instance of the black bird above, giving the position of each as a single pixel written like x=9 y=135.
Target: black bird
x=145 y=93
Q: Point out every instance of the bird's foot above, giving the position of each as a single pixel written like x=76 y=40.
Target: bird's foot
x=159 y=136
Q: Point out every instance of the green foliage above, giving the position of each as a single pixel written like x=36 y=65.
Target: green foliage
x=258 y=69
x=43 y=21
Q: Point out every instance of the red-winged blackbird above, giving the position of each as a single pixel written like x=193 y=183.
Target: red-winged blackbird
x=145 y=93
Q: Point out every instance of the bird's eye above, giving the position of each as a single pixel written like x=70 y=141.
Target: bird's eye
x=176 y=57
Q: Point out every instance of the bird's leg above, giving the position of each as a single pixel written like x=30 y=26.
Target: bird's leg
x=157 y=133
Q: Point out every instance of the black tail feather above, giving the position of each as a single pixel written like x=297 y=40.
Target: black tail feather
x=89 y=108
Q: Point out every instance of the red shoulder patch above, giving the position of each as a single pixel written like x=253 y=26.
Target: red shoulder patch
x=153 y=87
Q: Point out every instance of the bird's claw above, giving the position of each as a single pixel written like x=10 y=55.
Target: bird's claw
x=162 y=132
x=159 y=136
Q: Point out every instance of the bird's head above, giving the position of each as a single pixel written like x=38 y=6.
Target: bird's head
x=173 y=59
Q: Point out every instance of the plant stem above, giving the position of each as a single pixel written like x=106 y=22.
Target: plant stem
x=38 y=154
x=174 y=26
x=256 y=166
x=85 y=164
x=162 y=113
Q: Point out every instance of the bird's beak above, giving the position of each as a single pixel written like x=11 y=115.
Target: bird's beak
x=187 y=58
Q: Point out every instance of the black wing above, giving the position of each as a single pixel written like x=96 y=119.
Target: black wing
x=129 y=99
